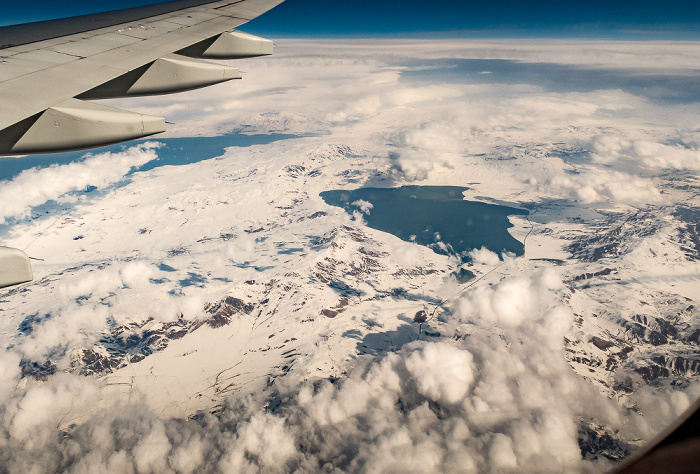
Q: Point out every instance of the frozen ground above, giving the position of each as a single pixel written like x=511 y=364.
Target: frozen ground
x=187 y=317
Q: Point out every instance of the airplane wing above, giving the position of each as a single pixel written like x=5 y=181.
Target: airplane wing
x=50 y=69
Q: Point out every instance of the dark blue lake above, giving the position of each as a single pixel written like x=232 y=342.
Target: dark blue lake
x=431 y=215
x=175 y=151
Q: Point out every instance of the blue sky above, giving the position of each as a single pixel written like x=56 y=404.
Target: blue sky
x=675 y=19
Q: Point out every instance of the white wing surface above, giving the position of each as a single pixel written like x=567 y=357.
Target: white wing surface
x=49 y=69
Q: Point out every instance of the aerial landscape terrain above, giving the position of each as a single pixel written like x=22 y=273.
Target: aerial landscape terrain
x=369 y=255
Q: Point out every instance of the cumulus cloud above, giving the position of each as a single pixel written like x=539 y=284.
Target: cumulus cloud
x=64 y=329
x=35 y=186
x=365 y=206
x=9 y=372
x=610 y=149
x=498 y=395
x=655 y=410
x=43 y=404
x=98 y=283
x=241 y=248
x=496 y=392
x=442 y=372
x=413 y=165
x=407 y=254
x=484 y=256
x=525 y=299
x=105 y=281
x=136 y=274
x=426 y=147
x=602 y=185
x=86 y=304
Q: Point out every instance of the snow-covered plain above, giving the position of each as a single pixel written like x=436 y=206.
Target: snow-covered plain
x=220 y=316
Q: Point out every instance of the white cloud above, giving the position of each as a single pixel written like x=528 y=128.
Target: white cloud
x=365 y=206
x=484 y=256
x=601 y=185
x=496 y=391
x=407 y=254
x=501 y=455
x=241 y=248
x=482 y=403
x=610 y=149
x=513 y=302
x=655 y=410
x=261 y=443
x=99 y=283
x=151 y=452
x=32 y=419
x=34 y=186
x=66 y=328
x=681 y=56
x=9 y=373
x=413 y=95
x=136 y=274
x=414 y=166
x=442 y=372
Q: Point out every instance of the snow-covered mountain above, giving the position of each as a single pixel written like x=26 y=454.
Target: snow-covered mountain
x=221 y=306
